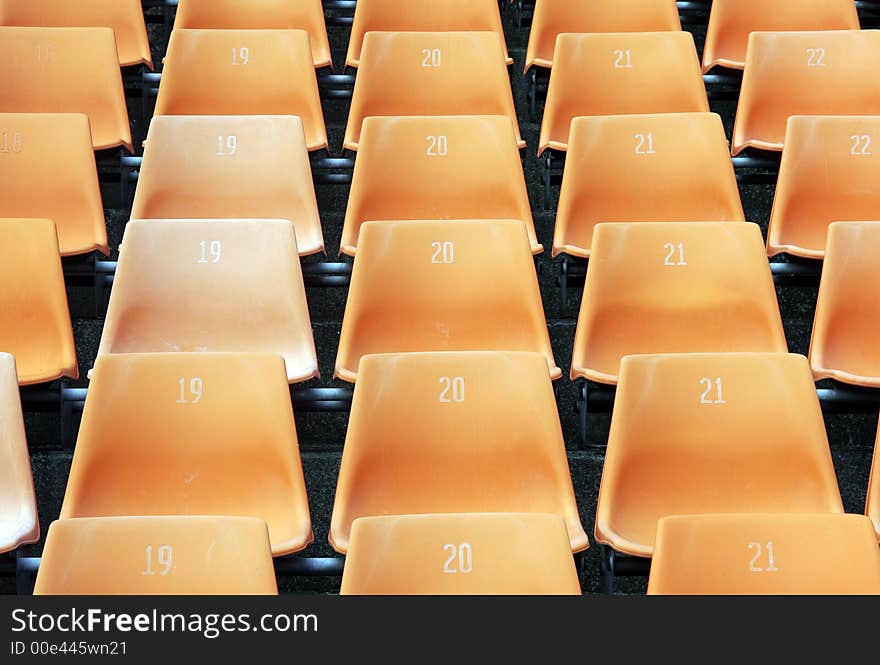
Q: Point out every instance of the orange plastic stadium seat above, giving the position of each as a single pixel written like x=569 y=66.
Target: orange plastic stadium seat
x=125 y=17
x=845 y=334
x=191 y=434
x=552 y=17
x=47 y=170
x=240 y=167
x=682 y=287
x=242 y=72
x=34 y=318
x=699 y=433
x=451 y=167
x=828 y=174
x=430 y=73
x=19 y=524
x=427 y=431
x=620 y=74
x=644 y=168
x=145 y=556
x=442 y=286
x=66 y=70
x=211 y=285
x=872 y=508
x=463 y=554
x=780 y=554
x=420 y=16
x=731 y=22
x=305 y=15
x=828 y=72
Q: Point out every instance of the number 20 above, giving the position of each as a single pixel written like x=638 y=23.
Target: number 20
x=431 y=57
x=452 y=389
x=438 y=146
x=465 y=555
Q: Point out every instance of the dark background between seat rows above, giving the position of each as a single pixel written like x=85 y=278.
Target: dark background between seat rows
x=322 y=436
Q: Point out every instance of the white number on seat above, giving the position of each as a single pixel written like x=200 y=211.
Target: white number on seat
x=164 y=557
x=759 y=551
x=861 y=145
x=438 y=146
x=444 y=252
x=452 y=389
x=431 y=57
x=227 y=145
x=815 y=57
x=45 y=54
x=241 y=56
x=622 y=59
x=13 y=142
x=214 y=249
x=645 y=144
x=672 y=250
x=194 y=396
x=459 y=558
x=712 y=393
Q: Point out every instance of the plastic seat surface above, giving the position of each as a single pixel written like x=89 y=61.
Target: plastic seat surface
x=712 y=433
x=194 y=556
x=243 y=72
x=644 y=168
x=683 y=287
x=216 y=167
x=191 y=434
x=872 y=504
x=620 y=74
x=826 y=72
x=765 y=555
x=34 y=318
x=427 y=431
x=430 y=73
x=197 y=286
x=66 y=70
x=453 y=167
x=305 y=15
x=442 y=286
x=518 y=554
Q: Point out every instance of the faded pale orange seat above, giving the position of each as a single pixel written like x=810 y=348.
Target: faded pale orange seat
x=846 y=341
x=420 y=16
x=829 y=173
x=34 y=318
x=196 y=286
x=47 y=170
x=442 y=286
x=826 y=72
x=765 y=555
x=163 y=556
x=305 y=15
x=872 y=505
x=552 y=17
x=238 y=167
x=66 y=70
x=689 y=436
x=463 y=554
x=427 y=431
x=451 y=167
x=644 y=168
x=430 y=73
x=19 y=524
x=242 y=72
x=191 y=434
x=683 y=287
x=731 y=22
x=125 y=17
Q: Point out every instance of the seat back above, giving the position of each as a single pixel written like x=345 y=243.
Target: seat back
x=872 y=504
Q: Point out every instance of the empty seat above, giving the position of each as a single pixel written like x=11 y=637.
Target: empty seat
x=216 y=167
x=211 y=285
x=305 y=15
x=765 y=555
x=34 y=318
x=419 y=16
x=125 y=17
x=552 y=17
x=493 y=554
x=620 y=74
x=453 y=433
x=66 y=70
x=846 y=340
x=47 y=170
x=191 y=434
x=712 y=433
x=674 y=288
x=442 y=286
x=242 y=72
x=731 y=22
x=828 y=72
x=136 y=556
x=828 y=174
x=19 y=524
x=872 y=506
x=644 y=168
x=452 y=167
x=430 y=73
